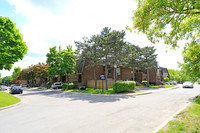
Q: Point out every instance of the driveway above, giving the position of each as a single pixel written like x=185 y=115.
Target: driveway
x=62 y=112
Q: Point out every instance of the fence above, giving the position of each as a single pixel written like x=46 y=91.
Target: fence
x=91 y=83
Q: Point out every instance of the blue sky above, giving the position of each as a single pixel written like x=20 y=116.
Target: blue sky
x=48 y=23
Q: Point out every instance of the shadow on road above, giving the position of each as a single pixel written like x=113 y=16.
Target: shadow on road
x=78 y=96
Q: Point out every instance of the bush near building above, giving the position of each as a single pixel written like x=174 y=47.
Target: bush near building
x=166 y=79
x=121 y=86
x=144 y=83
x=69 y=86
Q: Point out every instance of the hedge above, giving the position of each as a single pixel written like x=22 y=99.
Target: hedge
x=144 y=83
x=121 y=86
x=70 y=86
x=166 y=79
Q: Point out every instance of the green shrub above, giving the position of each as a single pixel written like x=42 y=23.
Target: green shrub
x=166 y=79
x=162 y=83
x=144 y=83
x=198 y=81
x=121 y=86
x=70 y=86
x=48 y=85
x=64 y=86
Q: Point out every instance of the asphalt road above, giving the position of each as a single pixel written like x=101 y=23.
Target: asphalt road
x=61 y=112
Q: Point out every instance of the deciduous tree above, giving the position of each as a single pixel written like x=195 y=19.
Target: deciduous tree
x=12 y=46
x=68 y=62
x=16 y=72
x=61 y=62
x=171 y=21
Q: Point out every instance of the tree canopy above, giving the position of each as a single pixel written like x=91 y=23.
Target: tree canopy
x=180 y=76
x=61 y=62
x=171 y=21
x=16 y=72
x=12 y=46
x=7 y=80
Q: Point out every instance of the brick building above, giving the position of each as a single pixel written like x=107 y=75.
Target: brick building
x=86 y=74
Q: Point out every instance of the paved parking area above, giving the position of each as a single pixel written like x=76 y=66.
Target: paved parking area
x=63 y=112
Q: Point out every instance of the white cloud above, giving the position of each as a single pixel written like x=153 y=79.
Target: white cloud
x=62 y=22
x=82 y=18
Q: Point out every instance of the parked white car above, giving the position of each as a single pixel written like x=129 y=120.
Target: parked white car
x=56 y=85
x=3 y=87
x=188 y=84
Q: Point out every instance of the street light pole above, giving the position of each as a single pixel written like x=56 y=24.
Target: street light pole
x=115 y=73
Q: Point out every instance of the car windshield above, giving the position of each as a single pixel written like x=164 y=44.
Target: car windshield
x=16 y=87
x=57 y=84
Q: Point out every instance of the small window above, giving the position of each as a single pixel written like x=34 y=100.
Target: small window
x=79 y=78
x=109 y=72
x=118 y=71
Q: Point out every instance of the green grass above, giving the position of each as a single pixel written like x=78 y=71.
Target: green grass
x=93 y=91
x=188 y=121
x=97 y=91
x=169 y=86
x=166 y=86
x=42 y=88
x=7 y=99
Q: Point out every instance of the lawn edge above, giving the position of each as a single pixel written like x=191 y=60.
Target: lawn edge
x=13 y=105
x=172 y=117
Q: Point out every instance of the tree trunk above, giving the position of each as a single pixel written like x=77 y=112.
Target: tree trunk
x=67 y=80
x=147 y=77
x=114 y=74
x=133 y=74
x=95 y=78
x=106 y=73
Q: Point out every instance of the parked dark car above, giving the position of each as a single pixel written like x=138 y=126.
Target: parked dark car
x=188 y=84
x=56 y=85
x=16 y=89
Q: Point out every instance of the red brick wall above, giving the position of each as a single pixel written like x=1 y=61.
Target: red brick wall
x=152 y=76
x=73 y=77
x=88 y=73
x=125 y=74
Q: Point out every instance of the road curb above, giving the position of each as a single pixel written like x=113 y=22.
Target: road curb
x=2 y=108
x=128 y=94
x=171 y=118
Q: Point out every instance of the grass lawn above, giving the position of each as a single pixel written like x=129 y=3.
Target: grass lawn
x=188 y=121
x=93 y=91
x=97 y=91
x=169 y=86
x=42 y=88
x=166 y=86
x=7 y=99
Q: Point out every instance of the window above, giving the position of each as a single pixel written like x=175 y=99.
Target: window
x=79 y=78
x=118 y=71
x=109 y=72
